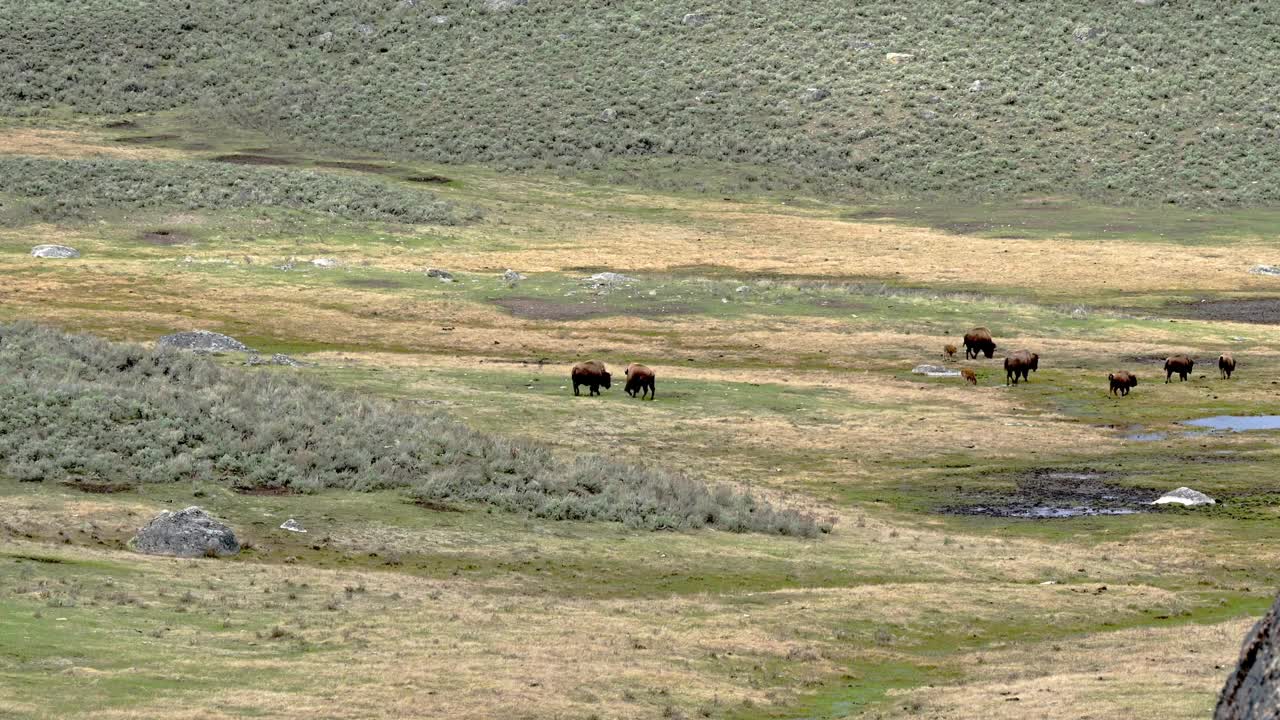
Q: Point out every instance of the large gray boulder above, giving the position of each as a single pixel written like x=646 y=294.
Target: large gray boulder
x=186 y=533
x=1252 y=691
x=202 y=341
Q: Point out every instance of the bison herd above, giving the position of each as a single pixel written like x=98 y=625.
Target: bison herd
x=978 y=341
x=1020 y=363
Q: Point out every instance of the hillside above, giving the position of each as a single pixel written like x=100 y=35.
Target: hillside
x=1114 y=101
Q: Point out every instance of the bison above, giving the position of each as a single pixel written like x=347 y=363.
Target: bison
x=978 y=340
x=1180 y=364
x=969 y=376
x=639 y=379
x=1122 y=382
x=1019 y=363
x=950 y=351
x=592 y=374
x=1226 y=365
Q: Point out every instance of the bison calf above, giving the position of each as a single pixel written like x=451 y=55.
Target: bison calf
x=1122 y=382
x=592 y=374
x=639 y=379
x=1180 y=364
x=1018 y=364
x=1226 y=365
x=950 y=351
x=978 y=340
x=969 y=376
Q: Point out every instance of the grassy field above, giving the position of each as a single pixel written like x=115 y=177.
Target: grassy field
x=783 y=332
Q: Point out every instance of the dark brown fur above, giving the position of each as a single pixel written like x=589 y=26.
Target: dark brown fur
x=1018 y=364
x=639 y=379
x=969 y=376
x=1122 y=381
x=950 y=350
x=978 y=340
x=1180 y=364
x=1226 y=365
x=592 y=374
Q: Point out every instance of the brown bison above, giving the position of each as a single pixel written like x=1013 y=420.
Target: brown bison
x=639 y=379
x=950 y=351
x=1122 y=382
x=969 y=376
x=1226 y=365
x=1180 y=364
x=978 y=340
x=1019 y=363
x=592 y=374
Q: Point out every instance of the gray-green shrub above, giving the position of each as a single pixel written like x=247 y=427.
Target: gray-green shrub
x=78 y=409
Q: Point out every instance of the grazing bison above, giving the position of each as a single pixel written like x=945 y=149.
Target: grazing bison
x=1180 y=364
x=1226 y=365
x=950 y=351
x=1122 y=382
x=592 y=374
x=969 y=377
x=978 y=340
x=639 y=379
x=1019 y=363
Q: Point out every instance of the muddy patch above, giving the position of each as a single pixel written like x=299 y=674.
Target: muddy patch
x=372 y=283
x=357 y=166
x=165 y=237
x=264 y=491
x=146 y=139
x=1054 y=493
x=99 y=487
x=539 y=309
x=1259 y=311
x=247 y=159
x=429 y=179
x=121 y=125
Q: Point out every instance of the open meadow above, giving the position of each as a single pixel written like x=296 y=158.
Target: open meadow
x=783 y=330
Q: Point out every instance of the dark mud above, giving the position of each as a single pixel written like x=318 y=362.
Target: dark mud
x=165 y=237
x=1259 y=311
x=1050 y=493
x=146 y=139
x=372 y=283
x=357 y=166
x=244 y=159
x=429 y=179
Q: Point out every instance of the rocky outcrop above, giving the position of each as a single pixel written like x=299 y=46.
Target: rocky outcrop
x=186 y=533
x=1252 y=691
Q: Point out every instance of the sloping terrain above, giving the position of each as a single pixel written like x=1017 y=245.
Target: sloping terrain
x=1115 y=99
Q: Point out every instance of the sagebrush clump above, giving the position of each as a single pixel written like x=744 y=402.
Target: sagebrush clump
x=60 y=189
x=78 y=409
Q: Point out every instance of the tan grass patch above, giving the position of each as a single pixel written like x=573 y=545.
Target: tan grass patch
x=69 y=144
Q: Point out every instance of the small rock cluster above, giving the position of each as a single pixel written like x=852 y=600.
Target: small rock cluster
x=202 y=341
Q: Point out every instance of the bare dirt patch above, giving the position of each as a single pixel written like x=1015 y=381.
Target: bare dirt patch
x=539 y=309
x=100 y=487
x=429 y=179
x=1048 y=493
x=264 y=491
x=121 y=125
x=165 y=237
x=357 y=166
x=146 y=139
x=246 y=159
x=1258 y=311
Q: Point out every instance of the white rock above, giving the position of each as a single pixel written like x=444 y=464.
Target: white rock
x=292 y=526
x=899 y=58
x=934 y=371
x=324 y=262
x=60 y=252
x=1185 y=496
x=1265 y=270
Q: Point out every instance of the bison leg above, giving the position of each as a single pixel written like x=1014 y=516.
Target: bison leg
x=653 y=390
x=575 y=389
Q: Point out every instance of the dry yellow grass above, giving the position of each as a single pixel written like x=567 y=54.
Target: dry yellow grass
x=73 y=144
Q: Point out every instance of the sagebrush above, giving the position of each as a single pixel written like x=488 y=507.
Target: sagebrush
x=78 y=409
x=55 y=189
x=1110 y=99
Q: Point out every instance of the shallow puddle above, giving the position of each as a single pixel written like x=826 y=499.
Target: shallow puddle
x=1237 y=423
